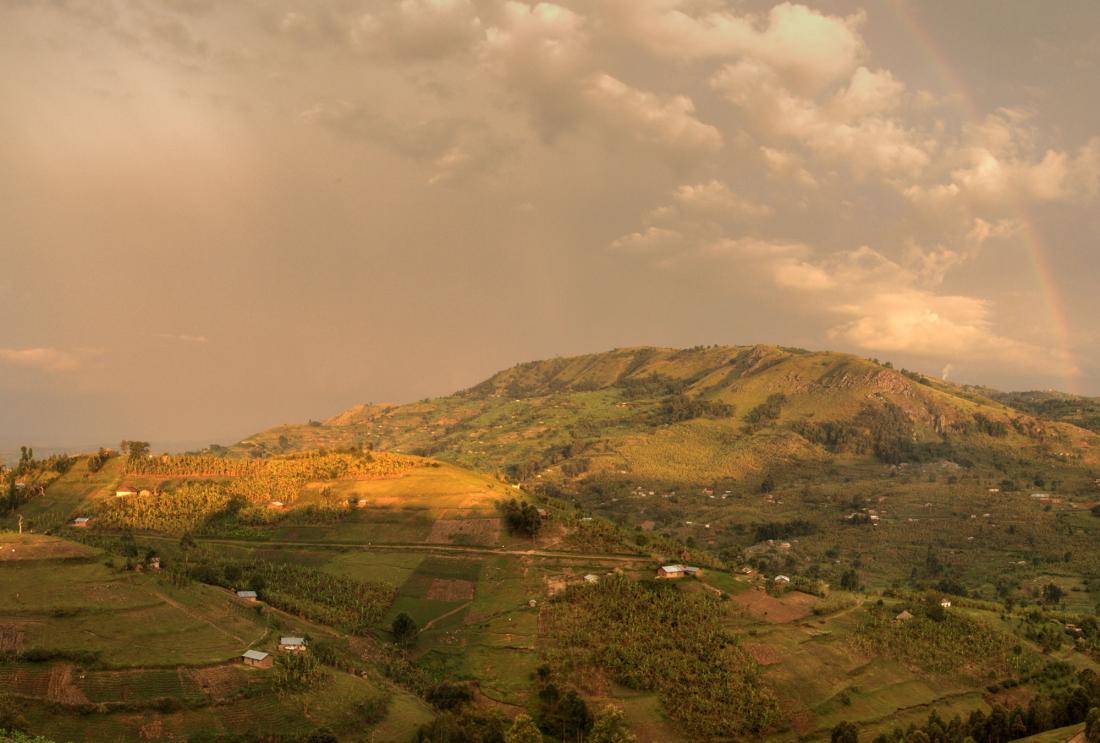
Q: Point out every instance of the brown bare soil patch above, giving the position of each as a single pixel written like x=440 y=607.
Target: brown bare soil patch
x=555 y=586
x=476 y=531
x=444 y=589
x=152 y=730
x=791 y=607
x=11 y=639
x=61 y=688
x=763 y=654
x=33 y=547
x=217 y=682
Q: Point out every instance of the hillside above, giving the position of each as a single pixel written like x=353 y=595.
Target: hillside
x=696 y=415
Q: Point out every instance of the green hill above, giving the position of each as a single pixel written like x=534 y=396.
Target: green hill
x=696 y=415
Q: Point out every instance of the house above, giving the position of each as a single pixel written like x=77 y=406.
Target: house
x=945 y=603
x=248 y=595
x=670 y=571
x=123 y=490
x=543 y=513
x=361 y=503
x=256 y=659
x=591 y=578
x=292 y=644
x=276 y=505
x=905 y=616
x=153 y=563
x=81 y=522
x=781 y=579
x=690 y=570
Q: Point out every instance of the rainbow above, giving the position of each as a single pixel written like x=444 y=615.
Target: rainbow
x=1032 y=235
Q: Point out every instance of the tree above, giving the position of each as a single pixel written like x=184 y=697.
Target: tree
x=134 y=449
x=1092 y=726
x=611 y=727
x=523 y=730
x=1053 y=593
x=404 y=630
x=844 y=732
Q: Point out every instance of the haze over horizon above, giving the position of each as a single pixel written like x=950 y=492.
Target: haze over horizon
x=215 y=218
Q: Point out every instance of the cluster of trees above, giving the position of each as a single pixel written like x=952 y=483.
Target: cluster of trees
x=941 y=641
x=765 y=412
x=783 y=529
x=183 y=510
x=521 y=518
x=97 y=460
x=652 y=636
x=1046 y=711
x=883 y=430
x=296 y=672
x=345 y=603
x=679 y=407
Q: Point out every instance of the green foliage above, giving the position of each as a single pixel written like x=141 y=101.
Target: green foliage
x=524 y=730
x=611 y=727
x=652 y=636
x=295 y=672
x=941 y=645
x=351 y=605
x=15 y=736
x=565 y=716
x=404 y=630
x=448 y=694
x=1092 y=726
x=521 y=518
x=180 y=511
x=767 y=411
x=844 y=732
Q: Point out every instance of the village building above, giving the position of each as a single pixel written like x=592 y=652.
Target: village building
x=247 y=595
x=591 y=578
x=154 y=564
x=292 y=644
x=81 y=522
x=276 y=505
x=124 y=490
x=256 y=659
x=543 y=513
x=904 y=616
x=361 y=503
x=781 y=579
x=945 y=603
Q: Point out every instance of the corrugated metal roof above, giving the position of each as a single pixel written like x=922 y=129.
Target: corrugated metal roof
x=254 y=654
x=247 y=594
x=292 y=641
x=672 y=568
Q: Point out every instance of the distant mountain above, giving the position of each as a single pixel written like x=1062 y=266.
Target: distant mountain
x=698 y=414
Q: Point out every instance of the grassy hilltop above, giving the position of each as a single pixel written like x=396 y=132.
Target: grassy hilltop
x=878 y=548
x=696 y=415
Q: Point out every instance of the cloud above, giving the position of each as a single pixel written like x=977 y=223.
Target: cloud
x=418 y=29
x=184 y=338
x=45 y=359
x=807 y=48
x=453 y=147
x=648 y=119
x=543 y=54
x=936 y=326
x=715 y=200
x=850 y=129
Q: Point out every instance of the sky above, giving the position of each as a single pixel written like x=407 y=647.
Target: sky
x=217 y=217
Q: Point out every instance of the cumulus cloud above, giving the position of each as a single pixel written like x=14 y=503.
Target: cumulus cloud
x=45 y=359
x=542 y=53
x=808 y=48
x=936 y=326
x=850 y=129
x=649 y=119
x=420 y=29
x=453 y=147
